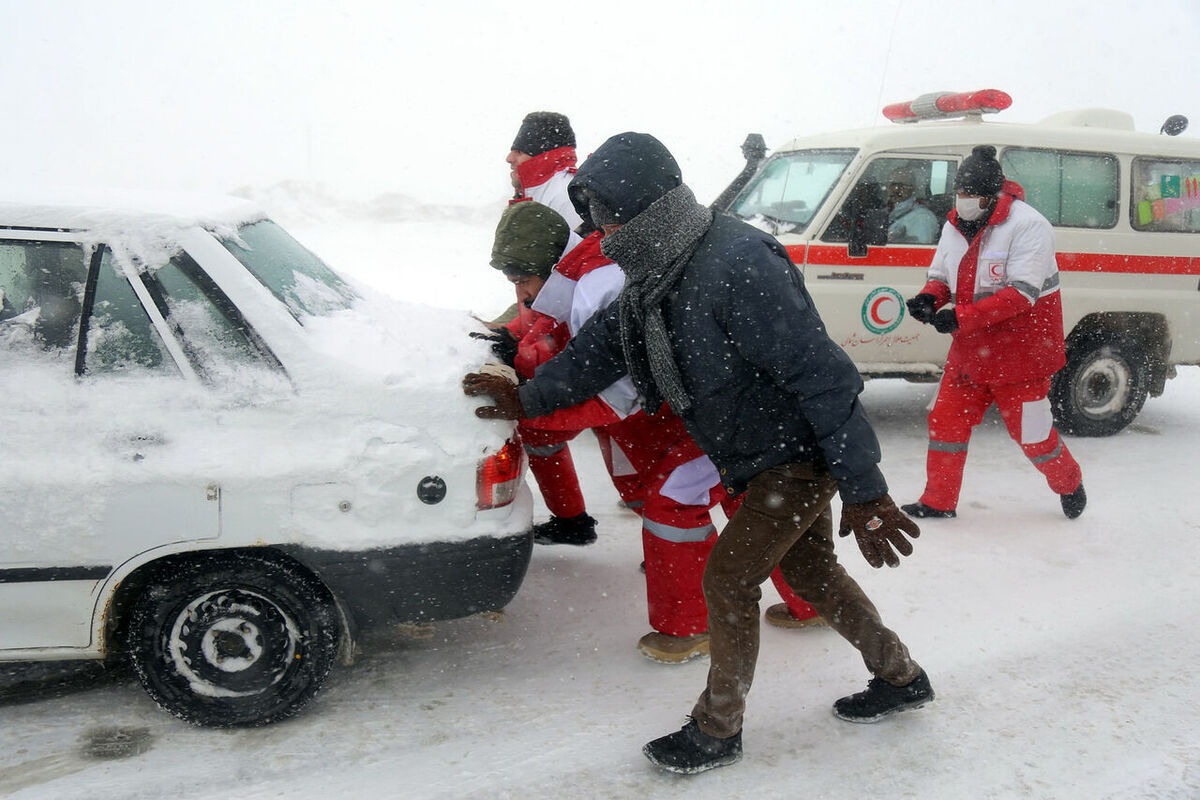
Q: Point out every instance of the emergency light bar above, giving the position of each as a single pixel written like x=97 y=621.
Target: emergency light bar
x=944 y=105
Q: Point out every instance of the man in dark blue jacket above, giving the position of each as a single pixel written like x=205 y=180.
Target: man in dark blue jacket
x=715 y=321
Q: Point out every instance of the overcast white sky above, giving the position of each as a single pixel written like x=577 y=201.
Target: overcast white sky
x=423 y=98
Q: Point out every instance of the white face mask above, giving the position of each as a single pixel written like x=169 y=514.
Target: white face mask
x=968 y=208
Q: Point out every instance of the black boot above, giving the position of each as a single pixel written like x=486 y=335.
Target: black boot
x=577 y=530
x=1074 y=502
x=691 y=750
x=881 y=699
x=922 y=511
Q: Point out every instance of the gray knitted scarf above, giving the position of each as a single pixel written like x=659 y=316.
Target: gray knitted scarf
x=653 y=249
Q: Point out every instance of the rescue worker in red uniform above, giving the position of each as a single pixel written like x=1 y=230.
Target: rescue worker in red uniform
x=529 y=240
x=996 y=264
x=542 y=162
x=679 y=483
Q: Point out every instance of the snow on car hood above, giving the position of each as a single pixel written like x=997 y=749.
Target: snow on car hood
x=378 y=402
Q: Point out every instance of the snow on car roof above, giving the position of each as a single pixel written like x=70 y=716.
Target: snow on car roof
x=89 y=208
x=142 y=227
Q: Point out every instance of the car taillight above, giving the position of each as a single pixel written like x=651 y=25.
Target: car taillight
x=498 y=477
x=940 y=105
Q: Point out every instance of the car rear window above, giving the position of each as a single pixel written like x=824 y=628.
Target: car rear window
x=295 y=275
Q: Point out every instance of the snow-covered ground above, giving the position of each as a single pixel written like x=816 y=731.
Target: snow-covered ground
x=1062 y=652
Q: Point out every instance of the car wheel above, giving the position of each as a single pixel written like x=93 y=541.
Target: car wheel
x=1103 y=386
x=225 y=641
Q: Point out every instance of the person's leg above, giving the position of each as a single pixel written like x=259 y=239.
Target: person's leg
x=811 y=566
x=676 y=540
x=959 y=407
x=621 y=471
x=780 y=504
x=554 y=470
x=1025 y=410
x=795 y=612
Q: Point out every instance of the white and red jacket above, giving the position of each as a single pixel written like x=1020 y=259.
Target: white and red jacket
x=544 y=180
x=1004 y=286
x=582 y=283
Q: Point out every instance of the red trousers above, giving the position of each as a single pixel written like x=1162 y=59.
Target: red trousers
x=960 y=406
x=624 y=475
x=553 y=468
x=677 y=530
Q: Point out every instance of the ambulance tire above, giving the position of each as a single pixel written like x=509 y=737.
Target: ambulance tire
x=1102 y=387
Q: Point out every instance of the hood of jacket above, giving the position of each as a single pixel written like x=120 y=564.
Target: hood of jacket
x=627 y=174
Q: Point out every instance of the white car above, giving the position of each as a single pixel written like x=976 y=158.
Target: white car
x=223 y=460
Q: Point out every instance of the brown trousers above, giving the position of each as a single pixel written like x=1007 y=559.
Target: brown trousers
x=784 y=520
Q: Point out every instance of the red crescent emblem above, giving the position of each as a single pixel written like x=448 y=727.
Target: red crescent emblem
x=875 y=312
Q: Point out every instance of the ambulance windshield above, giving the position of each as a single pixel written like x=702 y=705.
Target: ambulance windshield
x=790 y=188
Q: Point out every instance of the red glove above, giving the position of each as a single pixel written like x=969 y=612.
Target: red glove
x=879 y=526
x=502 y=390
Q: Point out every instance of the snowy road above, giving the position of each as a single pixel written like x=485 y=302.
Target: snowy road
x=1062 y=653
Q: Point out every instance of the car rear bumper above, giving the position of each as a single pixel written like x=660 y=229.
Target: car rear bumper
x=422 y=582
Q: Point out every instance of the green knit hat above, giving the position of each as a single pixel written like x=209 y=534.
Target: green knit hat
x=529 y=240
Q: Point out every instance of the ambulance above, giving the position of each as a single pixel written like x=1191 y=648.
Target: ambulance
x=860 y=213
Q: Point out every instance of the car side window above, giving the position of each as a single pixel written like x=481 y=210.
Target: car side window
x=41 y=295
x=916 y=192
x=120 y=335
x=214 y=334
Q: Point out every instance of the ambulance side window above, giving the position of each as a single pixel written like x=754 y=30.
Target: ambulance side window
x=1166 y=195
x=1072 y=190
x=916 y=193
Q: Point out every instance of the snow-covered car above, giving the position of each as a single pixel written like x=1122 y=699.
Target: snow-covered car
x=223 y=461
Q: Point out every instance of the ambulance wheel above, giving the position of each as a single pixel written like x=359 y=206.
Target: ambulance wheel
x=1103 y=386
x=222 y=640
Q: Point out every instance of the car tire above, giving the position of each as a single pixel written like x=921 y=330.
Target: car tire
x=1102 y=387
x=221 y=640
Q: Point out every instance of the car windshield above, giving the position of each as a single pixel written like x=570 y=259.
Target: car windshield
x=790 y=187
x=293 y=274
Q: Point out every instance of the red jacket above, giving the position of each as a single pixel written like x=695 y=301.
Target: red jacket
x=1004 y=284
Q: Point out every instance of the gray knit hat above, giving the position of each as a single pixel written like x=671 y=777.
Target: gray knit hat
x=543 y=131
x=529 y=240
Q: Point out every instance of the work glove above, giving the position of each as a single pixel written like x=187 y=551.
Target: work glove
x=921 y=307
x=946 y=320
x=499 y=387
x=879 y=526
x=504 y=344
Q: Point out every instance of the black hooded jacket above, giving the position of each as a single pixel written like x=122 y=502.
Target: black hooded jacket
x=768 y=385
x=627 y=173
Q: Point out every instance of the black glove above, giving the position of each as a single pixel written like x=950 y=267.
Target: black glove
x=946 y=320
x=879 y=526
x=504 y=344
x=502 y=390
x=921 y=307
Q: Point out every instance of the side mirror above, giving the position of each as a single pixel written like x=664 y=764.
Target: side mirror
x=754 y=150
x=1175 y=125
x=868 y=230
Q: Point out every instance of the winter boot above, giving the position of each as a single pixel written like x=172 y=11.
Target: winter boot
x=577 y=530
x=882 y=699
x=922 y=511
x=1074 y=502
x=691 y=750
x=667 y=649
x=780 y=616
